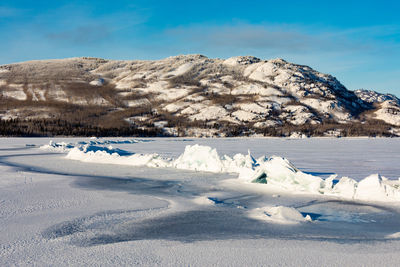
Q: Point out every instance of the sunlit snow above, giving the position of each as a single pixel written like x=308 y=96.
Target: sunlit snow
x=163 y=201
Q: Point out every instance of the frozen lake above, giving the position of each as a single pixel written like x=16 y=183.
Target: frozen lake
x=56 y=211
x=353 y=157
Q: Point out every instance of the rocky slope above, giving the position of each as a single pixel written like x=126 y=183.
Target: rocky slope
x=387 y=106
x=189 y=95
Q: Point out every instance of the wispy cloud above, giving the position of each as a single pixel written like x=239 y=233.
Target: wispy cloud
x=249 y=36
x=82 y=34
x=83 y=26
x=7 y=12
x=278 y=38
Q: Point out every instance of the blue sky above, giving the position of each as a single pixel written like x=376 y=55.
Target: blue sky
x=356 y=41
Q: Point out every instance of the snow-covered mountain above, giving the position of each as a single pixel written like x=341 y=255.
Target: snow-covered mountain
x=387 y=106
x=191 y=95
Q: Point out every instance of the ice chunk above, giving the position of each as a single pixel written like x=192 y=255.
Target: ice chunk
x=278 y=172
x=242 y=164
x=107 y=150
x=65 y=147
x=346 y=188
x=373 y=187
x=203 y=200
x=58 y=147
x=200 y=158
x=279 y=214
x=90 y=153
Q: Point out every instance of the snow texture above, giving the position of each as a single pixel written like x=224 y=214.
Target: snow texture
x=60 y=212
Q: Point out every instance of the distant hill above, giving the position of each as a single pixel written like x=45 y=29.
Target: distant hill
x=188 y=95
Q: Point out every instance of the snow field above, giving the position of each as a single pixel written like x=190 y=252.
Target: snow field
x=56 y=211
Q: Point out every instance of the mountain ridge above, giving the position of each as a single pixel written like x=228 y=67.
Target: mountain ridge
x=190 y=95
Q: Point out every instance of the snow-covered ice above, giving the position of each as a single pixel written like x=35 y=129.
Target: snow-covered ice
x=274 y=172
x=164 y=201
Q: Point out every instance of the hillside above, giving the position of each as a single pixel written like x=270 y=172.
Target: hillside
x=189 y=95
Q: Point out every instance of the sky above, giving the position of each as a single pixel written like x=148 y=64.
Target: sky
x=358 y=42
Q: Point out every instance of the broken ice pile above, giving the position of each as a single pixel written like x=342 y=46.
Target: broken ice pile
x=274 y=172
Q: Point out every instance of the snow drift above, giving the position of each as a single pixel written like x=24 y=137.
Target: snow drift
x=275 y=172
